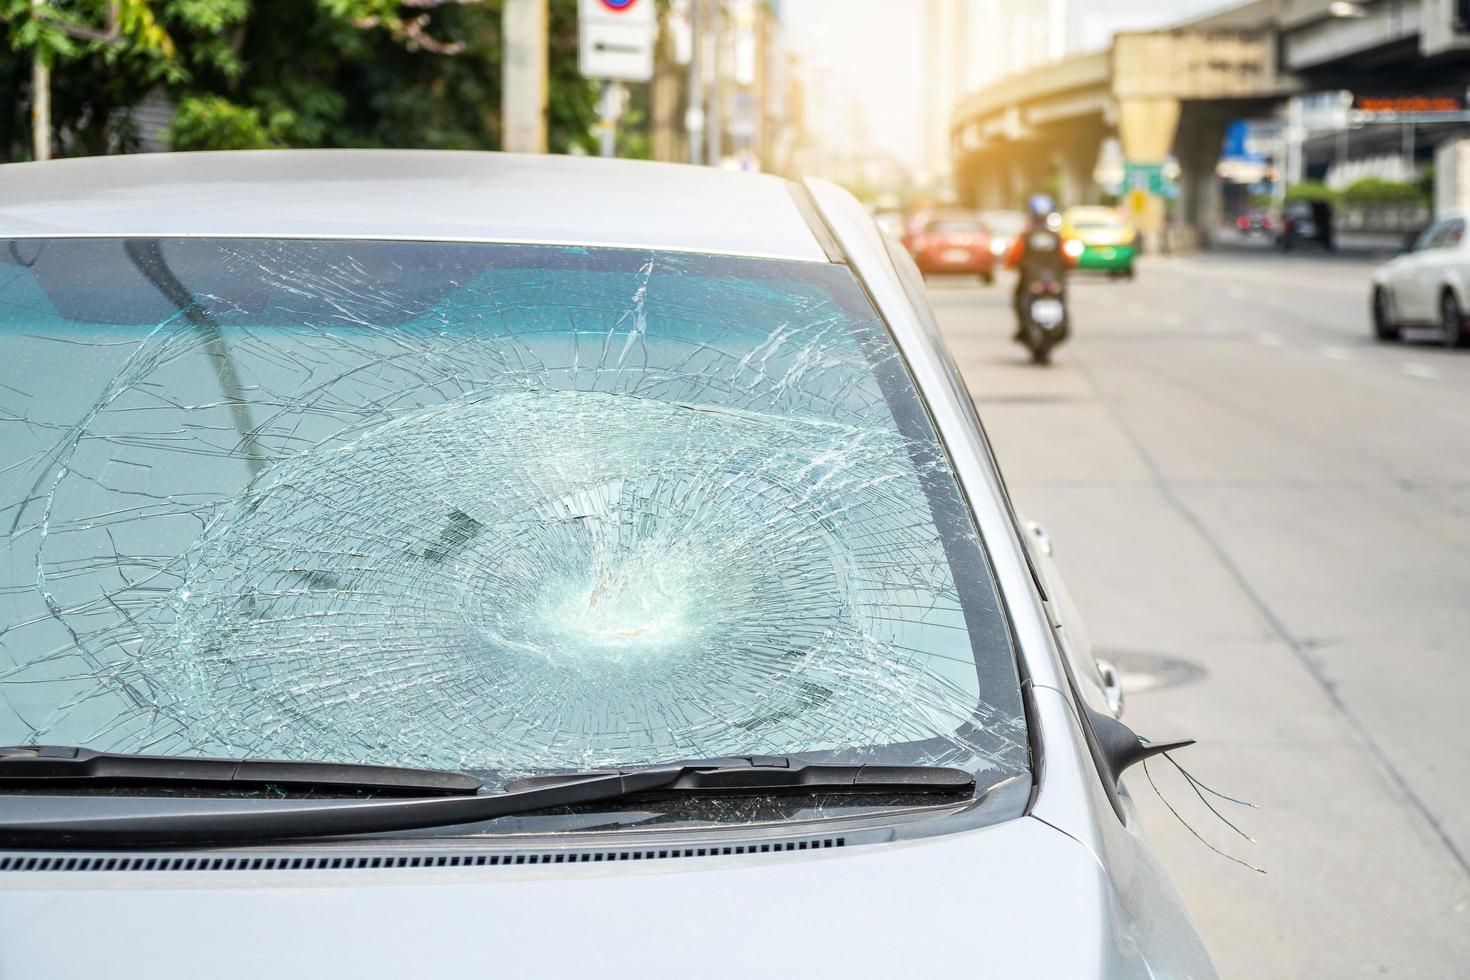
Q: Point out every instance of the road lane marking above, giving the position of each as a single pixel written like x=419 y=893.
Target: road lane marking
x=1268 y=340
x=1416 y=370
x=1337 y=353
x=1216 y=327
x=1174 y=320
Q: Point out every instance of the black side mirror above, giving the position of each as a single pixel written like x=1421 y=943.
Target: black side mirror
x=1410 y=239
x=1120 y=746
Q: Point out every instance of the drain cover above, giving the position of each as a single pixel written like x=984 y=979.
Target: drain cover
x=1143 y=672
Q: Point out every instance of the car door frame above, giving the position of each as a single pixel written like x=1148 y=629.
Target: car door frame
x=1403 y=278
x=1448 y=264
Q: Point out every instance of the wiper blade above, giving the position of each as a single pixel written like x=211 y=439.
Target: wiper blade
x=32 y=820
x=66 y=765
x=777 y=775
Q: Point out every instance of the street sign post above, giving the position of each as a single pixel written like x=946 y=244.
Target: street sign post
x=615 y=39
x=615 y=44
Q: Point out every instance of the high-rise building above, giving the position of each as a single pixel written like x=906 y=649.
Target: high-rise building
x=946 y=55
x=971 y=43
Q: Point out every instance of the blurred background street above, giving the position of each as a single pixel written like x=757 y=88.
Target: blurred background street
x=1262 y=515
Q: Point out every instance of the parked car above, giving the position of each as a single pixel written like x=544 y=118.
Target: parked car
x=1100 y=238
x=1254 y=223
x=422 y=560
x=1305 y=223
x=951 y=243
x=1428 y=285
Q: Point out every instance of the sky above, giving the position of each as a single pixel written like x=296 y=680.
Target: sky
x=873 y=50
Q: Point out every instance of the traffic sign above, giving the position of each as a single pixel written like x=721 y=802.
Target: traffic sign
x=615 y=39
x=1147 y=177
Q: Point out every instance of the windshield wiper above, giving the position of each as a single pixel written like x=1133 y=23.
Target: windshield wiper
x=66 y=765
x=31 y=820
x=776 y=775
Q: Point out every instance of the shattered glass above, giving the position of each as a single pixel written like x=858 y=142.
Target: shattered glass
x=504 y=508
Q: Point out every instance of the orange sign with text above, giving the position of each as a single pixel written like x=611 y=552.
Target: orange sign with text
x=1409 y=103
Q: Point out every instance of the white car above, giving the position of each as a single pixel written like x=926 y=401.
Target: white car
x=1427 y=286
x=449 y=563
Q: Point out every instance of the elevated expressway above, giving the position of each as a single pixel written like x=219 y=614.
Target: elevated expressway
x=1173 y=92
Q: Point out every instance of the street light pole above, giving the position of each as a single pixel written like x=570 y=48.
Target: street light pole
x=612 y=106
x=694 y=111
x=713 y=124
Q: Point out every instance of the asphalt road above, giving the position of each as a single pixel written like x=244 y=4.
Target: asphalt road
x=1264 y=516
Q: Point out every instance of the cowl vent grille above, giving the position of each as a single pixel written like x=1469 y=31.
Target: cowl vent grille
x=361 y=862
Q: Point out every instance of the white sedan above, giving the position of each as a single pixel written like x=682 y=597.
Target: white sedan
x=1427 y=286
x=479 y=564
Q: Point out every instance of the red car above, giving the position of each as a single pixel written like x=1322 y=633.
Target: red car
x=951 y=243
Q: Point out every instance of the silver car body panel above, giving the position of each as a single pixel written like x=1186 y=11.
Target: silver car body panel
x=995 y=900
x=489 y=197
x=992 y=903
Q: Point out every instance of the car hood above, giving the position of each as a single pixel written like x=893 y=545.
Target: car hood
x=1017 y=899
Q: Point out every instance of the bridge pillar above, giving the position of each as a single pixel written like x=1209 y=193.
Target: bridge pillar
x=1074 y=162
x=1146 y=128
x=1200 y=139
x=992 y=188
x=981 y=179
x=1027 y=171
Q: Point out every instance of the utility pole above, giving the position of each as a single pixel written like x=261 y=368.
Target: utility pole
x=714 y=127
x=694 y=113
x=40 y=98
x=523 y=84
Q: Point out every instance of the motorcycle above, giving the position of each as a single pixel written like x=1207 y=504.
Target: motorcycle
x=1044 y=322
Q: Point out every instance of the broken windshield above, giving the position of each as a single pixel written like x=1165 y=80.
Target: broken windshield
x=511 y=509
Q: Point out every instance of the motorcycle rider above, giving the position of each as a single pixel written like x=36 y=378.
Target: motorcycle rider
x=1037 y=253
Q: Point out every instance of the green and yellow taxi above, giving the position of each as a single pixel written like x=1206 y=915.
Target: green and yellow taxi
x=1099 y=238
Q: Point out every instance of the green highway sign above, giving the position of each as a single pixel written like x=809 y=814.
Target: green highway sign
x=1145 y=177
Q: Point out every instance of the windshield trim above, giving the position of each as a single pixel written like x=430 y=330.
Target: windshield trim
x=384 y=237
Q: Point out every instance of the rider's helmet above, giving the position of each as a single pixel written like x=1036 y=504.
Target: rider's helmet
x=1042 y=211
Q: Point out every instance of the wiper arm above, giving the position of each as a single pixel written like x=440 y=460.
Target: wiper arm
x=776 y=775
x=31 y=820
x=65 y=765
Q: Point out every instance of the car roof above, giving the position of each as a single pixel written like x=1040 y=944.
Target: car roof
x=408 y=194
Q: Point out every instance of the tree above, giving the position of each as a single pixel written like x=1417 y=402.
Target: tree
x=109 y=51
x=259 y=73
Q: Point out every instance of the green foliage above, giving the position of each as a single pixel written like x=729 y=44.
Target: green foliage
x=1310 y=190
x=572 y=105
x=405 y=73
x=1372 y=190
x=213 y=123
